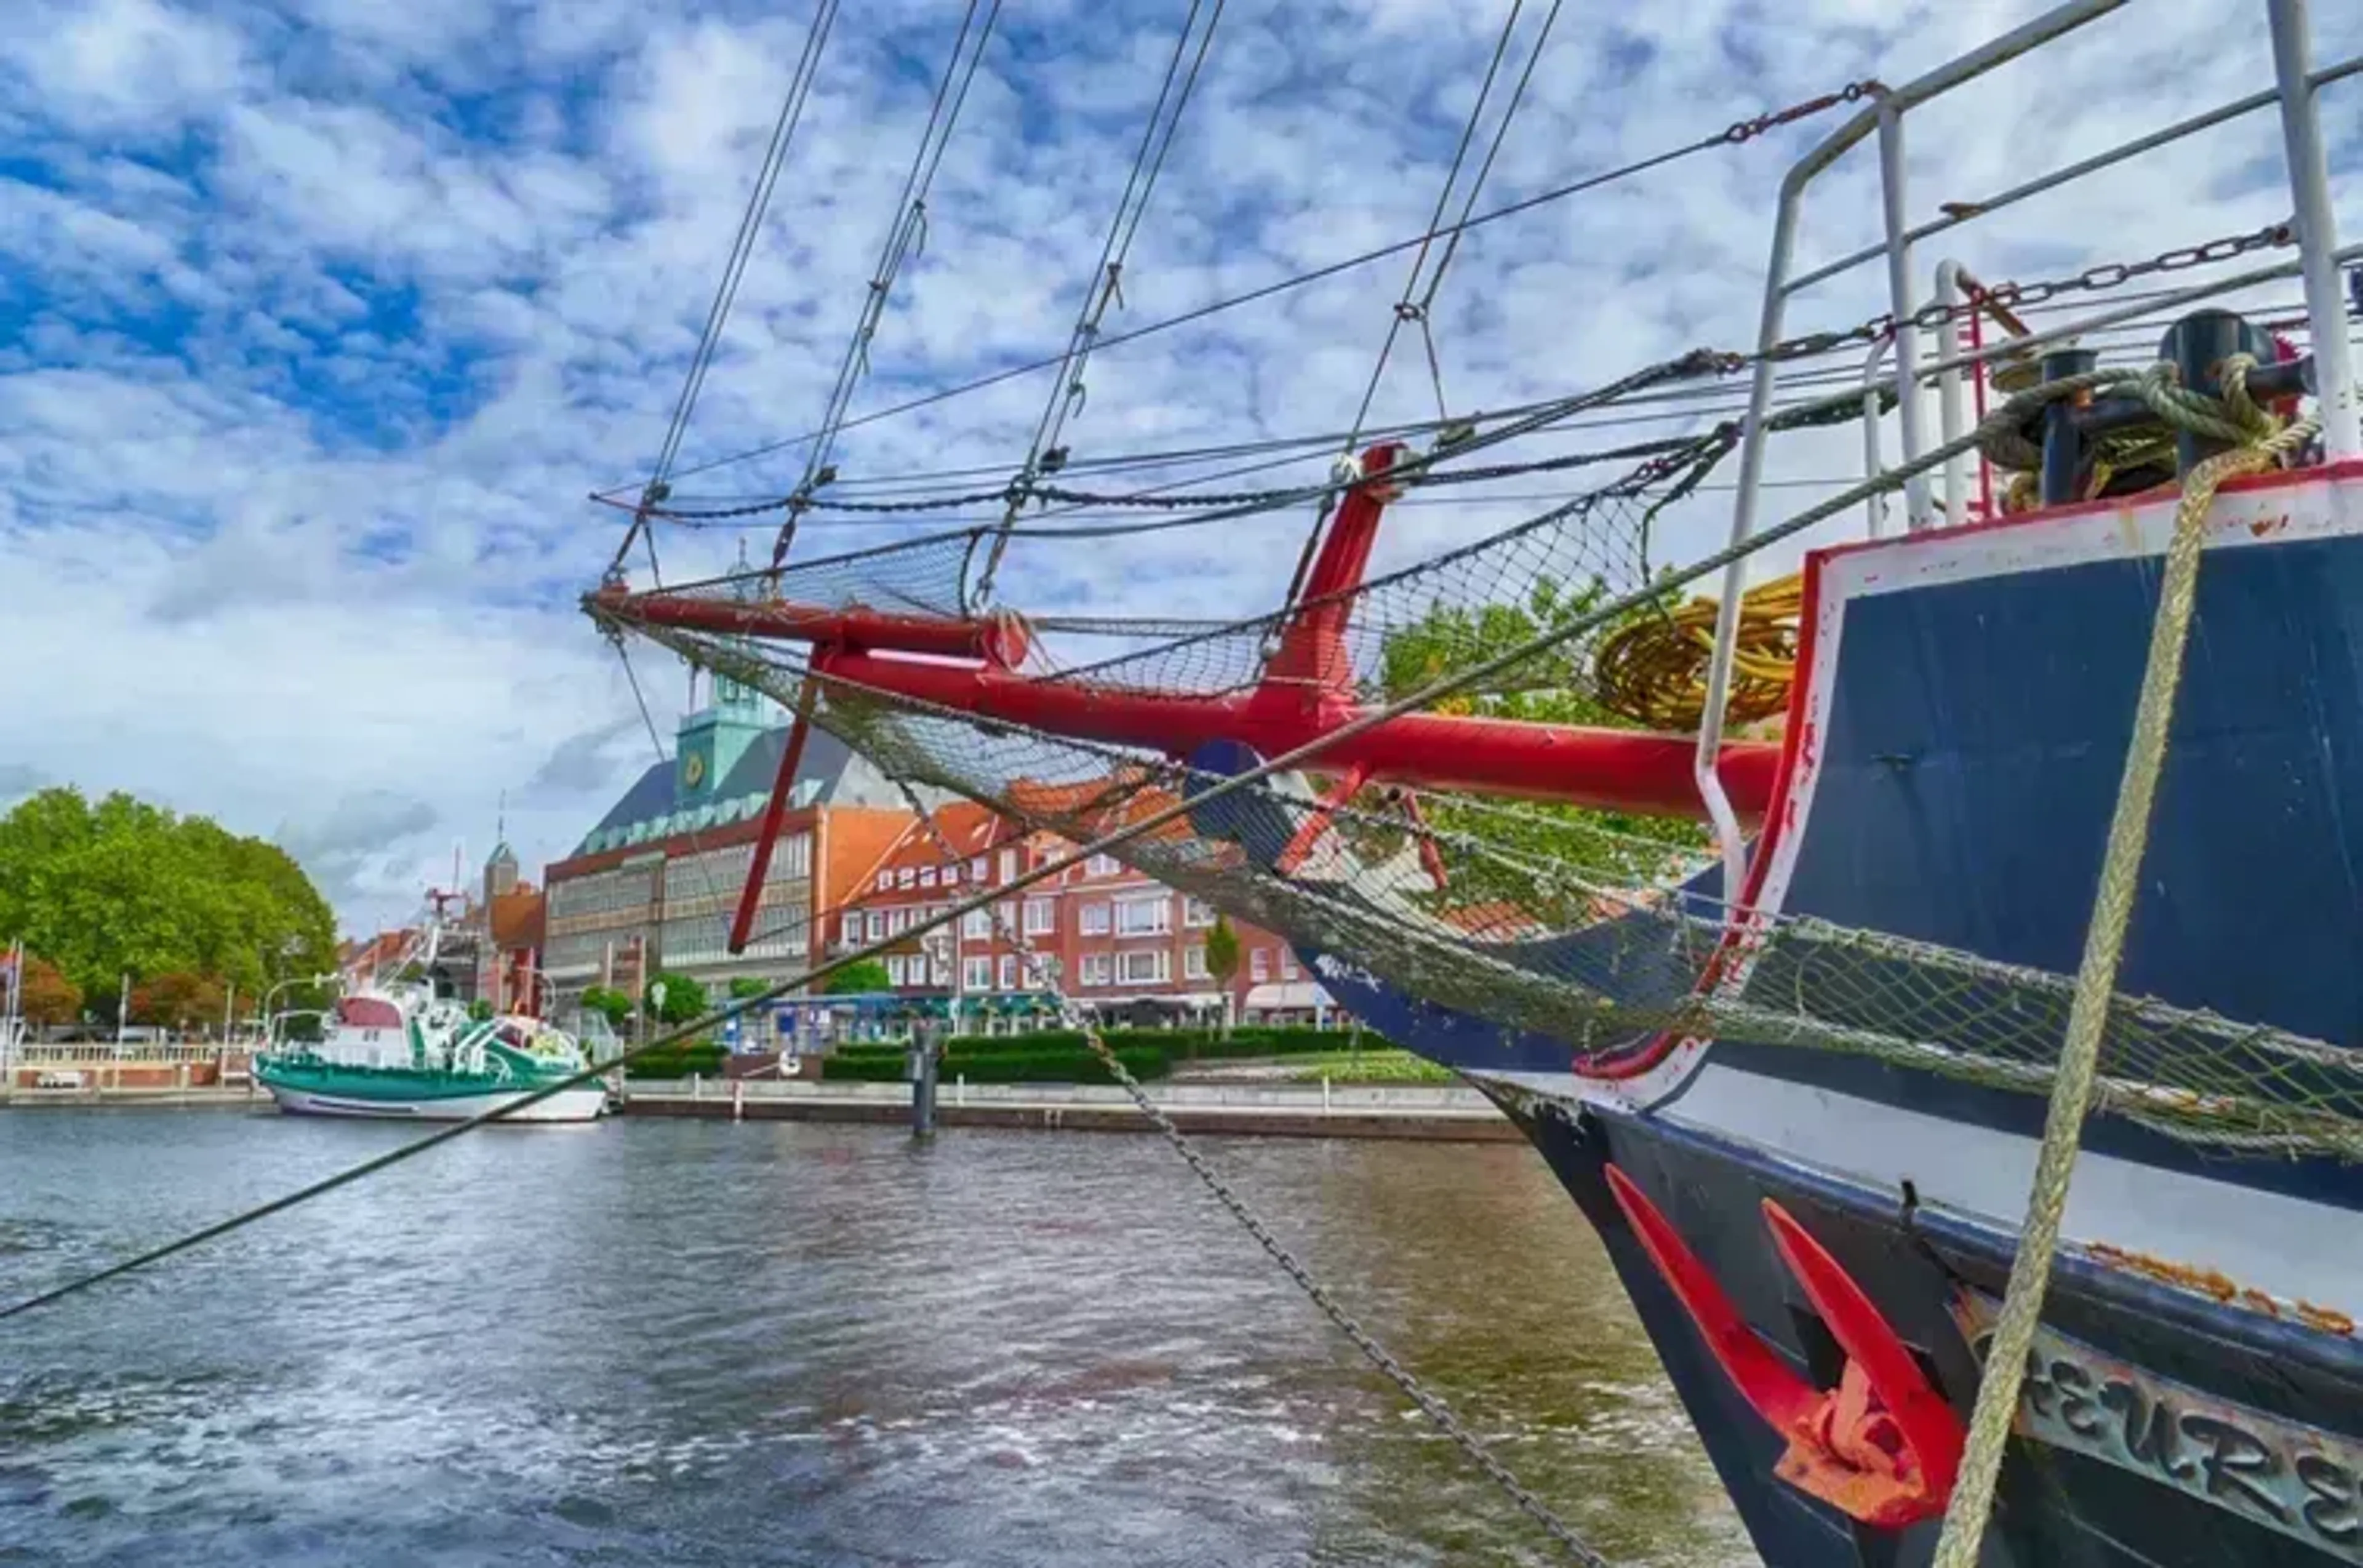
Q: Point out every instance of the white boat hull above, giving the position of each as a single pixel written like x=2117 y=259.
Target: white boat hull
x=586 y=1103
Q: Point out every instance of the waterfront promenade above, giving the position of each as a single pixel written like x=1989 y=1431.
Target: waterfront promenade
x=1423 y=1112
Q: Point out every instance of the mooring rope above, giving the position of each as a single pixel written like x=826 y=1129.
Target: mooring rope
x=2079 y=1057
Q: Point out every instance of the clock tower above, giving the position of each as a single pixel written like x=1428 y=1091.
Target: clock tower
x=713 y=739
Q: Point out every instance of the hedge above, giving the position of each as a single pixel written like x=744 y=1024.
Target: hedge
x=1180 y=1044
x=699 y=1059
x=1079 y=1065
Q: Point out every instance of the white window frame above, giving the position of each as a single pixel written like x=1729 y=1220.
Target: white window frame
x=1160 y=922
x=927 y=876
x=1288 y=969
x=976 y=924
x=1041 y=916
x=1008 y=972
x=976 y=868
x=1259 y=965
x=1193 y=963
x=878 y=931
x=1102 y=865
x=1096 y=968
x=1096 y=919
x=976 y=973
x=1009 y=866
x=1128 y=965
x=1197 y=914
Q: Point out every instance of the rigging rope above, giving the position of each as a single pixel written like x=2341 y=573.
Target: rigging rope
x=1067 y=393
x=1406 y=309
x=1538 y=646
x=750 y=225
x=2080 y=1056
x=906 y=232
x=1735 y=134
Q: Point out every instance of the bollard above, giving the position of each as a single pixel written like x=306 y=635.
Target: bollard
x=959 y=1090
x=1325 y=1094
x=738 y=1099
x=922 y=1069
x=696 y=1088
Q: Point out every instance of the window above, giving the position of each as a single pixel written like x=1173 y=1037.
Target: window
x=977 y=924
x=940 y=970
x=849 y=927
x=1009 y=972
x=895 y=970
x=1095 y=968
x=1009 y=866
x=1193 y=964
x=927 y=876
x=1102 y=865
x=976 y=973
x=1259 y=965
x=1144 y=917
x=1196 y=913
x=878 y=925
x=1287 y=964
x=897 y=921
x=906 y=877
x=1144 y=967
x=1094 y=920
x=1041 y=916
x=976 y=868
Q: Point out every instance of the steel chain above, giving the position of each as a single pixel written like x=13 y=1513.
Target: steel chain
x=1429 y=1404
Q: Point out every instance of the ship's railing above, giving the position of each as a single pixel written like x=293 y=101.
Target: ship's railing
x=2294 y=91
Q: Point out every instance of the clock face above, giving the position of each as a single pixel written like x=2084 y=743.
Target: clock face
x=692 y=769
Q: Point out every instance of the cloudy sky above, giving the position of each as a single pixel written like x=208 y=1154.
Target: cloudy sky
x=319 y=318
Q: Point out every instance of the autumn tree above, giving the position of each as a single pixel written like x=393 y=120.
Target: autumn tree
x=46 y=995
x=179 y=1000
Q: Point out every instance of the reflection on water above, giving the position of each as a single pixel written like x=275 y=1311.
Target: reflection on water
x=675 y=1343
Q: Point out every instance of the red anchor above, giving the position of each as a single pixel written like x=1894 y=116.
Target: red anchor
x=1885 y=1446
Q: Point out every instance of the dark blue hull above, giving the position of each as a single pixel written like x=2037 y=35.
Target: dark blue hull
x=2054 y=1506
x=1956 y=741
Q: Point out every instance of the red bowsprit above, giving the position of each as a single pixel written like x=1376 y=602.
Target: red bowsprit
x=1305 y=692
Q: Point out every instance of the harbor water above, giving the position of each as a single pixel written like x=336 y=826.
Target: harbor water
x=681 y=1342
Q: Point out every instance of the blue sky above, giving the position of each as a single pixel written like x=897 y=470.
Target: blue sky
x=319 y=318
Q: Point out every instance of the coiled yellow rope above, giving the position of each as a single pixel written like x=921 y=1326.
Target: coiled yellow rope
x=1653 y=671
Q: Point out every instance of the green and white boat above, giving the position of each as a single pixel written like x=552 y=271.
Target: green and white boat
x=398 y=1051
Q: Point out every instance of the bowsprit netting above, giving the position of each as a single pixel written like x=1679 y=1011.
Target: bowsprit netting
x=1551 y=923
x=1539 y=918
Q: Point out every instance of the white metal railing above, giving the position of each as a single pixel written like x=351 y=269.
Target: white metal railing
x=2296 y=85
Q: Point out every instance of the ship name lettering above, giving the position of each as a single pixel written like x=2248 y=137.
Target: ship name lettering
x=2334 y=1504
x=2278 y=1473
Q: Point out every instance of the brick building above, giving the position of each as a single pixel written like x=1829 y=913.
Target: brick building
x=1131 y=947
x=654 y=884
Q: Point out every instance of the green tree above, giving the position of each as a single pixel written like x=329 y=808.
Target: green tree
x=610 y=1004
x=1223 y=962
x=125 y=887
x=684 y=999
x=747 y=986
x=868 y=974
x=481 y=1008
x=1611 y=848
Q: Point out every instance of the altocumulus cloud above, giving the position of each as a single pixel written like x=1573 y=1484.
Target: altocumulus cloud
x=318 y=318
